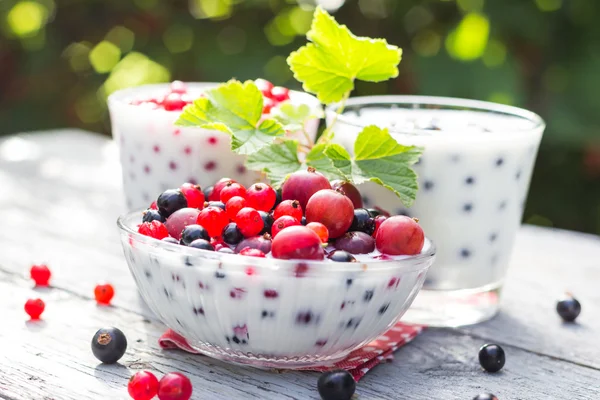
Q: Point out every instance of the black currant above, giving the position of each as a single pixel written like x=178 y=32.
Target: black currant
x=153 y=215
x=231 y=234
x=336 y=385
x=208 y=191
x=568 y=308
x=267 y=221
x=485 y=396
x=341 y=256
x=491 y=357
x=219 y=204
x=193 y=232
x=363 y=221
x=109 y=345
x=170 y=201
x=202 y=244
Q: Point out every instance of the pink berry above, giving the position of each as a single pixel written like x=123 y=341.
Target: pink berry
x=230 y=190
x=349 y=190
x=400 y=235
x=178 y=87
x=281 y=223
x=249 y=222
x=264 y=86
x=320 y=229
x=355 y=243
x=35 y=308
x=215 y=195
x=332 y=209
x=193 y=194
x=174 y=386
x=143 y=385
x=213 y=219
x=40 y=274
x=104 y=293
x=248 y=251
x=301 y=185
x=288 y=207
x=155 y=229
x=173 y=102
x=261 y=197
x=180 y=219
x=280 y=94
x=378 y=221
x=297 y=242
x=234 y=205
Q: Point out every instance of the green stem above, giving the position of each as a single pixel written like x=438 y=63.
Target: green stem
x=328 y=134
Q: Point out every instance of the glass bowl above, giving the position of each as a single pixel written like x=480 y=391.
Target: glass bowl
x=268 y=312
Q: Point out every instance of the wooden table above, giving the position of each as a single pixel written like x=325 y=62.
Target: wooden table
x=59 y=199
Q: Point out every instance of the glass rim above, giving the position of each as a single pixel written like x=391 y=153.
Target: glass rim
x=435 y=102
x=407 y=263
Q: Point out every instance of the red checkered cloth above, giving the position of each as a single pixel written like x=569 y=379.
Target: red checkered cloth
x=358 y=363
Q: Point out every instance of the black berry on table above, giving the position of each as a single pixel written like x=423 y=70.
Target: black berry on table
x=491 y=357
x=568 y=308
x=109 y=345
x=485 y=396
x=336 y=385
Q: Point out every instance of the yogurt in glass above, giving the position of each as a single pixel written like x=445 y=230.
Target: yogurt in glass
x=473 y=181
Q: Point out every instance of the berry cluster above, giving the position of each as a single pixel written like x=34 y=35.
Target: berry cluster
x=178 y=97
x=310 y=218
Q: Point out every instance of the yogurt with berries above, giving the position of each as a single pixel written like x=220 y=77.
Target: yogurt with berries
x=243 y=279
x=155 y=154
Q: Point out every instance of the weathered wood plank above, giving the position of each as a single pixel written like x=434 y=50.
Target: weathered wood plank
x=52 y=360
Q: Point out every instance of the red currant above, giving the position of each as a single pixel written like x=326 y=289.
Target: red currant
x=288 y=207
x=174 y=386
x=332 y=209
x=282 y=223
x=35 y=308
x=213 y=219
x=261 y=197
x=400 y=235
x=173 y=102
x=301 y=185
x=178 y=87
x=234 y=205
x=280 y=94
x=155 y=229
x=193 y=194
x=248 y=251
x=153 y=206
x=249 y=222
x=320 y=230
x=215 y=195
x=264 y=86
x=40 y=274
x=143 y=385
x=230 y=190
x=297 y=242
x=104 y=293
x=268 y=105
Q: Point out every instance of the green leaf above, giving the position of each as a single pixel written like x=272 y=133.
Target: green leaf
x=234 y=108
x=293 y=117
x=277 y=160
x=318 y=159
x=379 y=158
x=336 y=57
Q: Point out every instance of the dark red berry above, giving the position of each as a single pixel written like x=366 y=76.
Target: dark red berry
x=400 y=235
x=216 y=192
x=320 y=230
x=230 y=190
x=174 y=386
x=297 y=242
x=170 y=201
x=193 y=232
x=177 y=222
x=143 y=385
x=249 y=222
x=301 y=185
x=262 y=243
x=109 y=345
x=349 y=190
x=261 y=197
x=282 y=223
x=288 y=207
x=40 y=274
x=104 y=293
x=280 y=94
x=247 y=251
x=193 y=194
x=378 y=221
x=213 y=219
x=35 y=308
x=154 y=229
x=234 y=205
x=355 y=243
x=332 y=209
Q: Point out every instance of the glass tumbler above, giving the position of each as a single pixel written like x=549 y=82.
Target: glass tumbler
x=473 y=181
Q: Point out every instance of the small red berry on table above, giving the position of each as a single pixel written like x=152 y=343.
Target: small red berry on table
x=40 y=274
x=104 y=293
x=174 y=386
x=35 y=308
x=143 y=385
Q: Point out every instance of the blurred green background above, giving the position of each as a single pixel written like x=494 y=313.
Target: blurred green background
x=60 y=58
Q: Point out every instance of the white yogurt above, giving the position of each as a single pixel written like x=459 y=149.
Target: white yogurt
x=473 y=178
x=157 y=155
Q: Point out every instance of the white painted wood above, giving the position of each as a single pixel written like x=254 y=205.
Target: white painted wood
x=59 y=199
